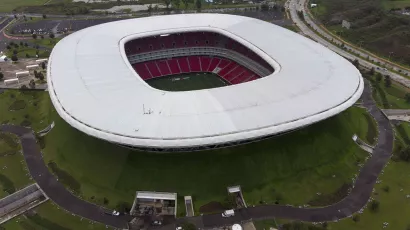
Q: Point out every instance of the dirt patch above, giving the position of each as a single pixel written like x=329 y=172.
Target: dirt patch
x=212 y=206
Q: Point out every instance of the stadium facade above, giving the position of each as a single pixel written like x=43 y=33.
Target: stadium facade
x=278 y=80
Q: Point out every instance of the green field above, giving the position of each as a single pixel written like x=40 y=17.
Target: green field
x=186 y=82
x=392 y=97
x=9 y=5
x=12 y=166
x=389 y=4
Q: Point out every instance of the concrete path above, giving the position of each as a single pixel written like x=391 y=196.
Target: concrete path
x=54 y=189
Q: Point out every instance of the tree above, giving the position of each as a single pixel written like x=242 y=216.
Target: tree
x=43 y=65
x=34 y=36
x=198 y=4
x=27 y=55
x=8 y=47
x=378 y=77
x=123 y=207
x=407 y=97
x=42 y=36
x=176 y=3
x=51 y=36
x=23 y=87
x=356 y=63
x=41 y=76
x=371 y=71
x=32 y=84
x=14 y=58
x=387 y=81
x=325 y=225
x=15 y=52
x=186 y=3
x=21 y=44
x=167 y=3
x=374 y=205
x=356 y=218
x=149 y=8
x=44 y=16
x=404 y=154
x=1 y=76
x=264 y=7
x=26 y=44
x=35 y=73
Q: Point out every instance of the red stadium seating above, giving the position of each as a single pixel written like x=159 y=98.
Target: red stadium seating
x=232 y=72
x=142 y=71
x=228 y=69
x=153 y=69
x=214 y=63
x=194 y=63
x=191 y=39
x=174 y=67
x=205 y=61
x=163 y=67
x=183 y=64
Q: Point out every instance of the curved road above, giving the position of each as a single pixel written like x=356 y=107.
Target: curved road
x=299 y=5
x=358 y=197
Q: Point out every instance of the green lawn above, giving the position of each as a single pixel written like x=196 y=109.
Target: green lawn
x=9 y=5
x=270 y=170
x=394 y=95
x=186 y=82
x=394 y=206
x=48 y=216
x=35 y=112
x=389 y=4
x=22 y=52
x=47 y=42
x=12 y=166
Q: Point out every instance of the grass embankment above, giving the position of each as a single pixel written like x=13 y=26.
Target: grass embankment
x=27 y=108
x=48 y=216
x=13 y=175
x=391 y=192
x=274 y=170
x=392 y=97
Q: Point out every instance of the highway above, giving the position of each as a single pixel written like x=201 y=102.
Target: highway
x=299 y=5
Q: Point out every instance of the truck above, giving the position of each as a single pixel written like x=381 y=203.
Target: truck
x=228 y=213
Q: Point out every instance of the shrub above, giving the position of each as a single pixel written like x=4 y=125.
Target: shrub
x=356 y=218
x=374 y=206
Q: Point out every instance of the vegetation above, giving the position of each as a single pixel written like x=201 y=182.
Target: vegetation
x=7 y=6
x=373 y=27
x=287 y=169
x=187 y=82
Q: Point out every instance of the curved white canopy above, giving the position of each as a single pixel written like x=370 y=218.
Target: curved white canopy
x=94 y=88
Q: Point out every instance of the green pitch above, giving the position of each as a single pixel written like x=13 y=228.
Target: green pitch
x=187 y=82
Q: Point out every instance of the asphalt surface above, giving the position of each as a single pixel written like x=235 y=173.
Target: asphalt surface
x=299 y=5
x=54 y=189
x=355 y=200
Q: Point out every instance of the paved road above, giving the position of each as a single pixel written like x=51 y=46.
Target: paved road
x=54 y=189
x=298 y=5
x=355 y=201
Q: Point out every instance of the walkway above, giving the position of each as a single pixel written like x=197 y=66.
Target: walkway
x=54 y=189
x=355 y=201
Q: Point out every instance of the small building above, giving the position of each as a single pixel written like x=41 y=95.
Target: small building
x=22 y=74
x=13 y=81
x=148 y=203
x=313 y=5
x=3 y=58
x=32 y=67
x=42 y=60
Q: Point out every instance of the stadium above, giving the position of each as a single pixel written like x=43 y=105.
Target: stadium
x=126 y=82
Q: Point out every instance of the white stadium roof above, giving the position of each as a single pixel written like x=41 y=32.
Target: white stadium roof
x=94 y=88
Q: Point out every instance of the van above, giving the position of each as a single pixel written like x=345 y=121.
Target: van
x=228 y=213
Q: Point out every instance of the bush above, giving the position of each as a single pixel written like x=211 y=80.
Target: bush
x=14 y=58
x=386 y=188
x=356 y=218
x=34 y=36
x=374 y=206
